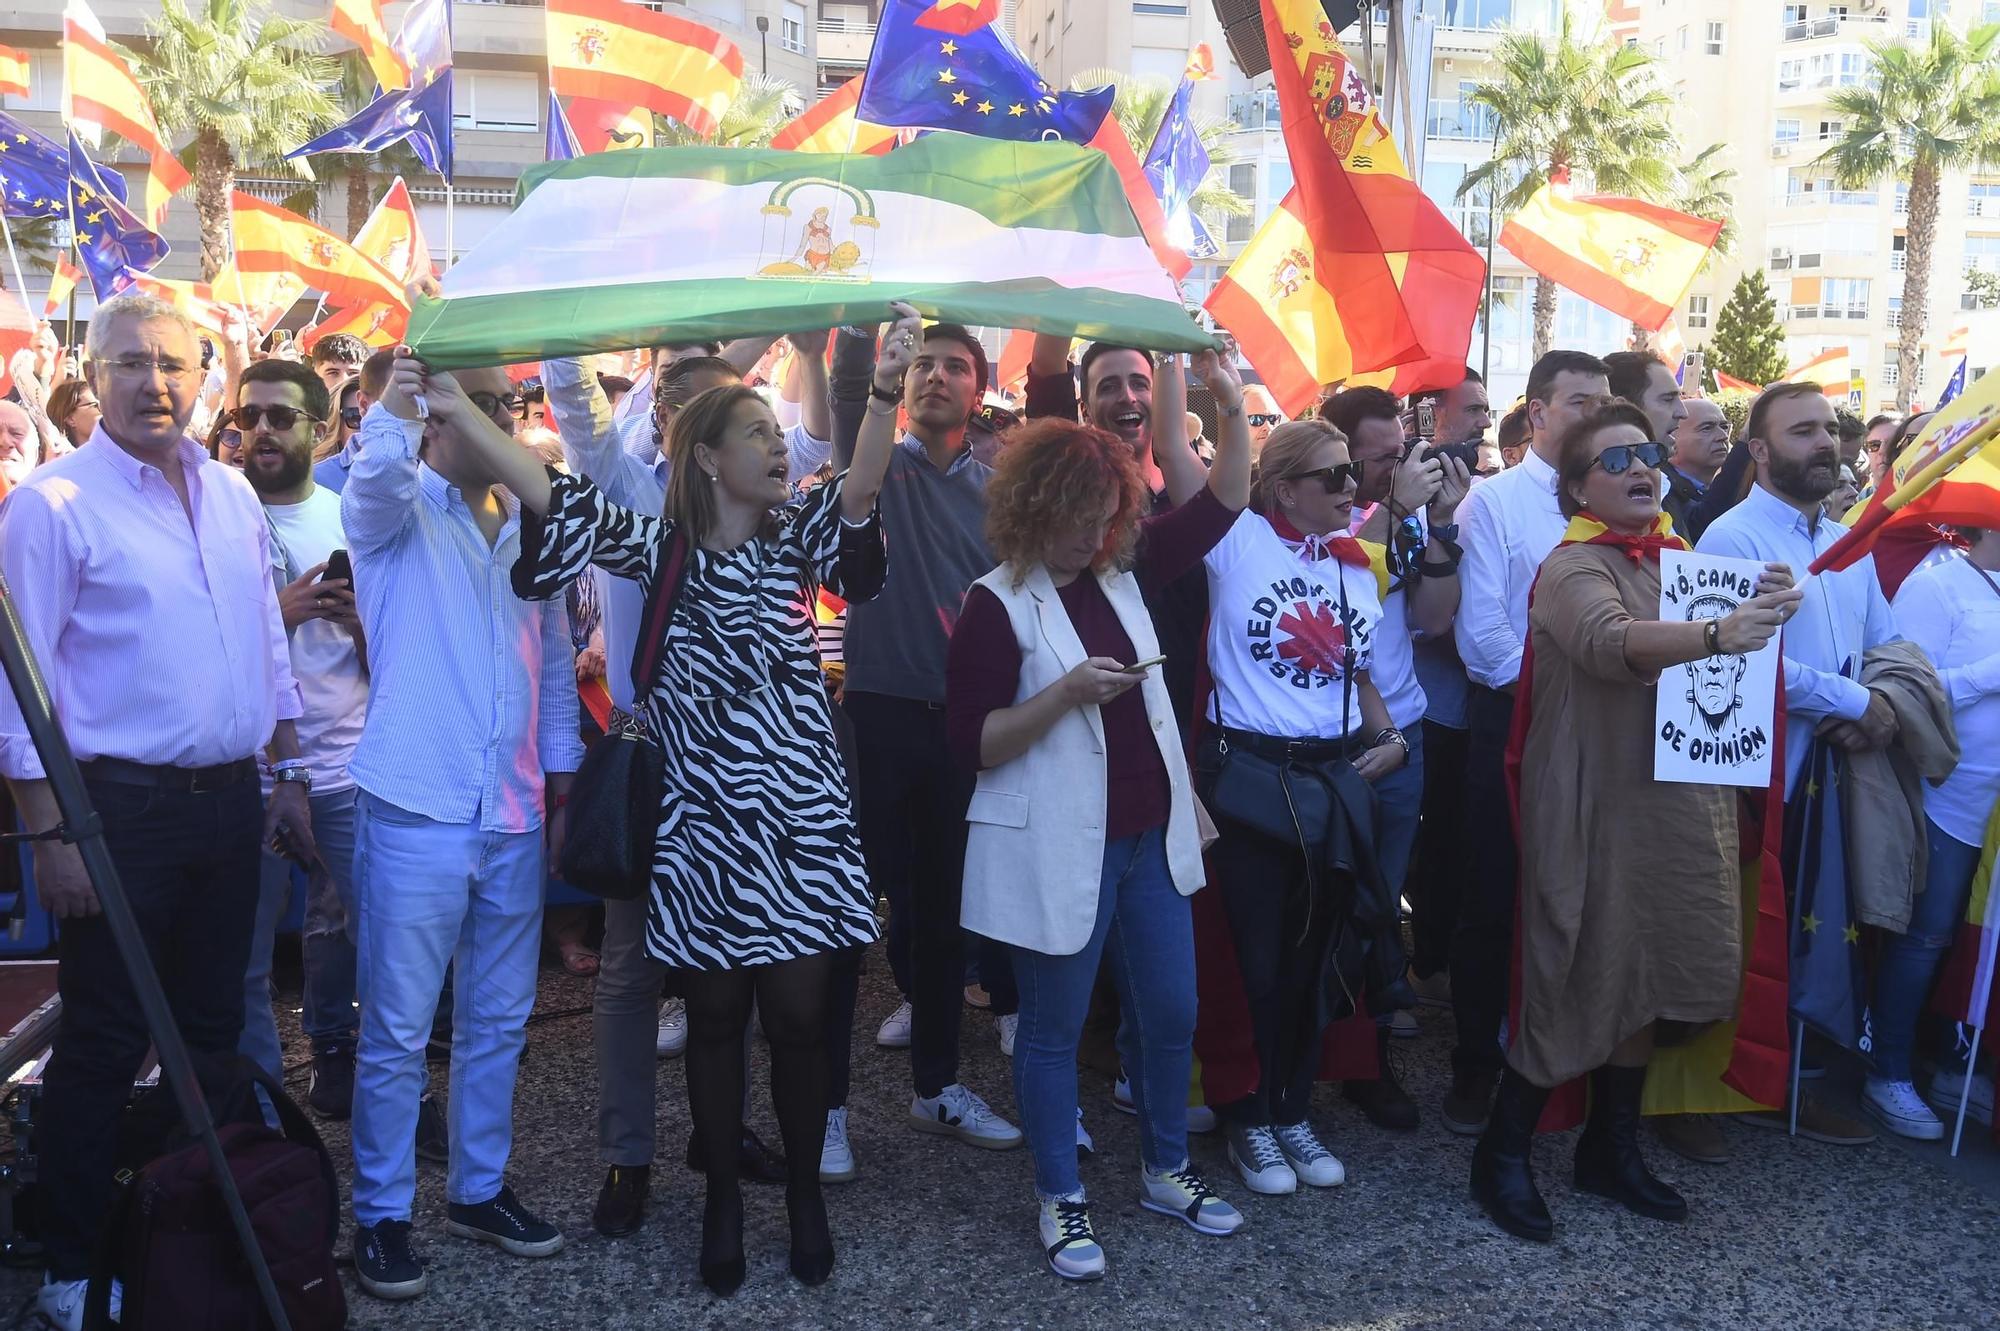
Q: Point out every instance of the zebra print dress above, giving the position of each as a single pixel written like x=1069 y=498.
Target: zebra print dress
x=757 y=858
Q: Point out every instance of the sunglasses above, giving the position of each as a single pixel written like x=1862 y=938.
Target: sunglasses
x=281 y=418
x=351 y=417
x=1617 y=459
x=1265 y=418
x=494 y=403
x=1335 y=478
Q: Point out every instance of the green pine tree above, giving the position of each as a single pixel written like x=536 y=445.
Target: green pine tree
x=1749 y=343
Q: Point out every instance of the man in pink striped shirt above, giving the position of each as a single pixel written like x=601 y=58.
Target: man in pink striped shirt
x=140 y=568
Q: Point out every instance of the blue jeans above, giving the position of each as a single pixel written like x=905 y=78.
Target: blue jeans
x=1909 y=960
x=1147 y=930
x=434 y=893
x=327 y=944
x=1399 y=807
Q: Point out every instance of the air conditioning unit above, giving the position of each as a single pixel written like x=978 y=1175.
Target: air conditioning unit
x=1781 y=150
x=1447 y=64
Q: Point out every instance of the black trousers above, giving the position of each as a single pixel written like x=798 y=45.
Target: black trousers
x=1483 y=942
x=910 y=805
x=189 y=864
x=1443 y=857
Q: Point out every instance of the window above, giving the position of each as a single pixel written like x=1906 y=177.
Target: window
x=1845 y=297
x=1684 y=37
x=728 y=11
x=1785 y=131
x=1712 y=44
x=844 y=17
x=1791 y=74
x=1794 y=14
x=1854 y=69
x=1697 y=312
x=1159 y=62
x=1982 y=254
x=1982 y=199
x=792 y=27
x=1171 y=10
x=45 y=84
x=1895 y=318
x=1829 y=130
x=1243 y=181
x=495 y=99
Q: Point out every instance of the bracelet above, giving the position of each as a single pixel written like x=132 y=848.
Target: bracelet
x=1712 y=635
x=1444 y=569
x=1391 y=735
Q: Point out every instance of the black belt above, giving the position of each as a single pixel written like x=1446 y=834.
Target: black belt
x=185 y=780
x=1291 y=750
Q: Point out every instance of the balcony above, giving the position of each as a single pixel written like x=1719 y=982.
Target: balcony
x=1455 y=120
x=845 y=43
x=1839 y=198
x=1898 y=260
x=1254 y=110
x=1801 y=32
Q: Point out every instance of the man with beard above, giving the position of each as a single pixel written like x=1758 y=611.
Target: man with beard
x=282 y=409
x=1118 y=397
x=1791 y=439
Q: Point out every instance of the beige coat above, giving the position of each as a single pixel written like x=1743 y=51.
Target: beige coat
x=1882 y=794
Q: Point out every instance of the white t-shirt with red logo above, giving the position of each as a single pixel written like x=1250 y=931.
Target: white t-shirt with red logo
x=1283 y=633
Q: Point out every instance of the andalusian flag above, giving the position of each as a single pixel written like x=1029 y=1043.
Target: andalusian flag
x=1635 y=259
x=13 y=71
x=271 y=240
x=1832 y=370
x=631 y=249
x=101 y=94
x=622 y=53
x=361 y=22
x=832 y=127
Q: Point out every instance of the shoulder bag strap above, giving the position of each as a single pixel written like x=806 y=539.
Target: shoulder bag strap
x=659 y=613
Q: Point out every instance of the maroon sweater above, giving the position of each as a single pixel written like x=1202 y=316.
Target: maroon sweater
x=983 y=672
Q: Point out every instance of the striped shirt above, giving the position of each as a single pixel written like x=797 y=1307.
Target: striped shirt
x=473 y=695
x=159 y=637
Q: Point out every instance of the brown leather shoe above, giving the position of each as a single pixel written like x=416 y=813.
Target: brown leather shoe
x=1469 y=1103
x=1696 y=1137
x=1817 y=1122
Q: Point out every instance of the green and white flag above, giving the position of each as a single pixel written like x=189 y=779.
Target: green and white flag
x=645 y=246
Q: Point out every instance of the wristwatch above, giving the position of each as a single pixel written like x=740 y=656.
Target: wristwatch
x=881 y=394
x=294 y=772
x=1712 y=635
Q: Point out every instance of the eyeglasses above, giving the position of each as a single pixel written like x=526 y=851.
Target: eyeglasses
x=142 y=367
x=1617 y=459
x=351 y=417
x=229 y=441
x=493 y=404
x=1335 y=478
x=1264 y=418
x=281 y=418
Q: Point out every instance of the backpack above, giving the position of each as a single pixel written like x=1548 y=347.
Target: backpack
x=169 y=1238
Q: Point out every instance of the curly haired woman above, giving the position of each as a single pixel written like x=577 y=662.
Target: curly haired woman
x=1083 y=841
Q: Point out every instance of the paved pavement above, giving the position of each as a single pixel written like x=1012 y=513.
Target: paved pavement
x=935 y=1234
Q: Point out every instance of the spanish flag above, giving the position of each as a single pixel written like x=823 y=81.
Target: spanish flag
x=66 y=277
x=1635 y=259
x=194 y=299
x=102 y=94
x=361 y=22
x=272 y=240
x=379 y=325
x=606 y=126
x=1831 y=370
x=617 y=52
x=392 y=238
x=832 y=127
x=264 y=298
x=1729 y=383
x=13 y=72
x=1356 y=271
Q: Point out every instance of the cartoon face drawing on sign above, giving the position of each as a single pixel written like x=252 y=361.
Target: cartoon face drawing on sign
x=1713 y=681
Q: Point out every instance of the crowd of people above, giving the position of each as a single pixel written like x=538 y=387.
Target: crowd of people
x=1236 y=735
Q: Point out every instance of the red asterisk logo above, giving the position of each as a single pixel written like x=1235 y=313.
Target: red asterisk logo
x=1314 y=641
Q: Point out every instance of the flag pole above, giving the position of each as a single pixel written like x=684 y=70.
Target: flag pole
x=1486 y=324
x=450 y=252
x=14 y=259
x=1798 y=1062
x=1965 y=1090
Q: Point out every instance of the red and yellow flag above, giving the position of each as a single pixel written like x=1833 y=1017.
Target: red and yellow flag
x=1635 y=259
x=606 y=126
x=1356 y=271
x=13 y=72
x=194 y=299
x=617 y=52
x=392 y=238
x=101 y=94
x=66 y=277
x=265 y=298
x=1730 y=383
x=361 y=22
x=378 y=325
x=832 y=127
x=1832 y=370
x=958 y=16
x=271 y=240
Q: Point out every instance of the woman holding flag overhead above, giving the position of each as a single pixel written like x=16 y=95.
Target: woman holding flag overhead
x=1630 y=895
x=757 y=881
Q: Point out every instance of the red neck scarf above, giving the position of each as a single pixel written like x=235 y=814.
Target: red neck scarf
x=1586 y=530
x=1333 y=545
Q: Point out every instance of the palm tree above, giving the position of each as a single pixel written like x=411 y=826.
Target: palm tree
x=250 y=86
x=1566 y=105
x=1140 y=104
x=1705 y=188
x=760 y=109
x=1924 y=110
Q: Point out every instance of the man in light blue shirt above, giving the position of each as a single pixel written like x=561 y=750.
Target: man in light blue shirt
x=471 y=735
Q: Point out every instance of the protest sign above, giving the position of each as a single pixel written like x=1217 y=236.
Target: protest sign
x=1715 y=716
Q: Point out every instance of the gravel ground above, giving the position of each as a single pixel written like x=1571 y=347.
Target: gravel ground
x=938 y=1234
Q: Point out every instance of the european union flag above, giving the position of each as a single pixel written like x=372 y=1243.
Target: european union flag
x=1177 y=162
x=1826 y=943
x=559 y=141
x=33 y=172
x=1956 y=384
x=110 y=238
x=925 y=74
x=420 y=113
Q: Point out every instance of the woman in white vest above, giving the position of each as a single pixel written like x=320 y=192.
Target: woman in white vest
x=1083 y=841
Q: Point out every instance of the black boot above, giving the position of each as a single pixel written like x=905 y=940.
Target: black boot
x=1503 y=1177
x=1608 y=1162
x=722 y=1264
x=1383 y=1100
x=812 y=1244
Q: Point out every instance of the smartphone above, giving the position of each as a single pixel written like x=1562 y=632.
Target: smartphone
x=338 y=568
x=1141 y=667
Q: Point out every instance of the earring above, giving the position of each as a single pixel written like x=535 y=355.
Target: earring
x=714 y=476
x=1581 y=503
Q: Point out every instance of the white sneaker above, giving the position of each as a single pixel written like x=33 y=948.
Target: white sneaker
x=1121 y=1096
x=1948 y=1086
x=1180 y=1192
x=957 y=1112
x=1897 y=1107
x=1068 y=1241
x=672 y=1041
x=1312 y=1162
x=895 y=1032
x=1255 y=1153
x=1084 y=1144
x=1403 y=1025
x=836 y=1157
x=1006 y=1026
x=60 y=1302
x=1200 y=1118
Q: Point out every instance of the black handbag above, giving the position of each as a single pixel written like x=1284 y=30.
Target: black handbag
x=614 y=802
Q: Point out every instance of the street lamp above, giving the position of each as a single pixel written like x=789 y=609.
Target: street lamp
x=764 y=41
